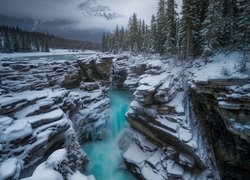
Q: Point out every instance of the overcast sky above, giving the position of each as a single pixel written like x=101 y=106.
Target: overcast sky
x=76 y=13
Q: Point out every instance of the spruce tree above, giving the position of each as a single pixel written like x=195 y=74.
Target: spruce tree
x=185 y=31
x=243 y=24
x=170 y=43
x=133 y=33
x=153 y=34
x=122 y=39
x=213 y=28
x=161 y=26
x=7 y=43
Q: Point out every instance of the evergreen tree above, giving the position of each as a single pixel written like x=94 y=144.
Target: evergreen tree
x=161 y=26
x=213 y=27
x=133 y=33
x=243 y=24
x=153 y=34
x=7 y=43
x=1 y=42
x=122 y=39
x=170 y=43
x=15 y=43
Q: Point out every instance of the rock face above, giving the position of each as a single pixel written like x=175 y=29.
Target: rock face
x=225 y=107
x=38 y=115
x=196 y=117
x=189 y=120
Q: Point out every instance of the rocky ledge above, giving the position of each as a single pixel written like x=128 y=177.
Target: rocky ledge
x=191 y=119
x=39 y=116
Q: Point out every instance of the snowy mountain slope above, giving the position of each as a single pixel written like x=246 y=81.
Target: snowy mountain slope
x=92 y=8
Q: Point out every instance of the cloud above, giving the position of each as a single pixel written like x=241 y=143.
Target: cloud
x=79 y=14
x=93 y=8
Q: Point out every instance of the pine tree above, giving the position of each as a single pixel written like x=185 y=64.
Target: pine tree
x=7 y=43
x=1 y=42
x=133 y=33
x=153 y=34
x=213 y=27
x=116 y=37
x=122 y=39
x=104 y=42
x=190 y=39
x=243 y=24
x=170 y=43
x=15 y=43
x=185 y=30
x=161 y=26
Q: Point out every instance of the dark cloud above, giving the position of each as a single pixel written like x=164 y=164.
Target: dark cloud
x=88 y=14
x=93 y=8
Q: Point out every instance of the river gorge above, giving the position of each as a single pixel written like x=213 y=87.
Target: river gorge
x=162 y=119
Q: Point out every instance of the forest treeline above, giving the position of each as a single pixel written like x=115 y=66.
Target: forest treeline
x=202 y=28
x=18 y=40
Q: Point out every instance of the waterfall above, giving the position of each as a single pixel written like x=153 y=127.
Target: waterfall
x=105 y=157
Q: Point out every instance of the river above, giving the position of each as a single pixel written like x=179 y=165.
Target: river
x=106 y=162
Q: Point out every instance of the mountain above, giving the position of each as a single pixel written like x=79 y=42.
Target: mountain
x=92 y=8
x=55 y=27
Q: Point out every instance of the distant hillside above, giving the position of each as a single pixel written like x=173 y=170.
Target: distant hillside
x=18 y=40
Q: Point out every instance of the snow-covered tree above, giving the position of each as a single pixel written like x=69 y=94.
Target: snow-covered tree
x=213 y=27
x=153 y=34
x=243 y=24
x=161 y=26
x=171 y=34
x=133 y=33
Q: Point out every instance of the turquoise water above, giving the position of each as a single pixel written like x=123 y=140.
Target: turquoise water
x=106 y=161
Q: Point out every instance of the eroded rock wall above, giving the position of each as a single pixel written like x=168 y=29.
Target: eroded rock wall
x=38 y=115
x=196 y=117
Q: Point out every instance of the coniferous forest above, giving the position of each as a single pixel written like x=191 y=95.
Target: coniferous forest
x=17 y=40
x=203 y=28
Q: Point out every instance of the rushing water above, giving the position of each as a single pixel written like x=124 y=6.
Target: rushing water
x=105 y=156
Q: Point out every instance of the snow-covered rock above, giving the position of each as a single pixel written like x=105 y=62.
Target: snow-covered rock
x=186 y=105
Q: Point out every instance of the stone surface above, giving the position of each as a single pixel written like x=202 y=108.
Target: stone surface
x=39 y=116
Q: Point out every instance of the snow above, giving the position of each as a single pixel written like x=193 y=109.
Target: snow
x=19 y=129
x=177 y=102
x=5 y=121
x=134 y=154
x=8 y=168
x=149 y=174
x=222 y=67
x=79 y=176
x=154 y=81
x=43 y=172
x=155 y=158
x=31 y=54
x=157 y=64
x=56 y=158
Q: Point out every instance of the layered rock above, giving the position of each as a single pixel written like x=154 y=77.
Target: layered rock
x=180 y=108
x=39 y=116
